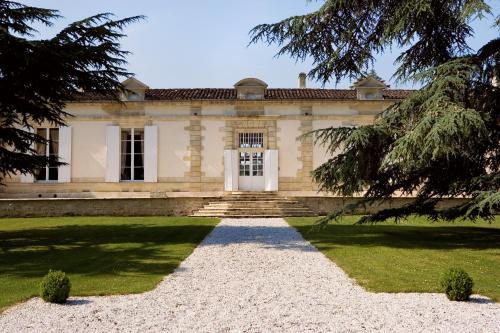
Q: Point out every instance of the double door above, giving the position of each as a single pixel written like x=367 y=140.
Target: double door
x=251 y=170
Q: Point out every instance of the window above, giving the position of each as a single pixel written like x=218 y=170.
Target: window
x=244 y=164
x=251 y=140
x=251 y=164
x=257 y=164
x=132 y=154
x=251 y=156
x=49 y=149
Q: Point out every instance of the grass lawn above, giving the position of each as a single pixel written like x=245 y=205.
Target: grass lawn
x=411 y=256
x=101 y=255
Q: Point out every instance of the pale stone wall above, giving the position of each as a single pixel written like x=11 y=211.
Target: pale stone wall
x=88 y=153
x=325 y=205
x=288 y=143
x=97 y=207
x=335 y=108
x=282 y=110
x=173 y=150
x=167 y=110
x=168 y=206
x=85 y=110
x=212 y=164
x=320 y=154
x=220 y=109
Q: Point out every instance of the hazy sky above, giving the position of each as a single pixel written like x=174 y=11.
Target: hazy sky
x=203 y=43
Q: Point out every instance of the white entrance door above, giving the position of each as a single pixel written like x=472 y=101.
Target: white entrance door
x=251 y=161
x=251 y=171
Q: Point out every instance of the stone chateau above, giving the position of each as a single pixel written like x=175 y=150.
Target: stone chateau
x=161 y=142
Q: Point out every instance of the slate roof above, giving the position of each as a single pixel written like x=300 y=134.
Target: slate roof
x=223 y=94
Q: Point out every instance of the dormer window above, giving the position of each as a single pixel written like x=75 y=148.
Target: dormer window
x=135 y=90
x=370 y=87
x=251 y=89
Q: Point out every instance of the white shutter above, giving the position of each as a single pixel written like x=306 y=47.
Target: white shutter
x=112 y=154
x=236 y=169
x=64 y=174
x=231 y=168
x=28 y=178
x=151 y=154
x=271 y=170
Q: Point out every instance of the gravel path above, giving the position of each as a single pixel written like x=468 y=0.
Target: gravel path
x=256 y=275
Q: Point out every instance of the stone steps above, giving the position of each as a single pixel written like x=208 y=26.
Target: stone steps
x=254 y=204
x=251 y=216
x=255 y=208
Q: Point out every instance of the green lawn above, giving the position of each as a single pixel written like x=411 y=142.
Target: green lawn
x=411 y=256
x=101 y=255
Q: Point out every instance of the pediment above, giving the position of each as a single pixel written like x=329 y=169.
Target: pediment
x=370 y=87
x=135 y=90
x=133 y=84
x=250 y=82
x=370 y=81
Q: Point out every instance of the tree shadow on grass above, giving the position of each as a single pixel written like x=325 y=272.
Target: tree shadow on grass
x=405 y=237
x=392 y=236
x=158 y=249
x=98 y=249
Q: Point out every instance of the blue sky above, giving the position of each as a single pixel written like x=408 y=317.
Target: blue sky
x=203 y=43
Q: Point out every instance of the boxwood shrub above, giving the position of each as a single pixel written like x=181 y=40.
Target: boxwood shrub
x=457 y=284
x=55 y=287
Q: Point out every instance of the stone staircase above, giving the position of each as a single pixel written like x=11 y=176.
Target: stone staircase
x=254 y=204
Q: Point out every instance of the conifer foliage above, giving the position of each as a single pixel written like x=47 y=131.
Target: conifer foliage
x=443 y=140
x=37 y=76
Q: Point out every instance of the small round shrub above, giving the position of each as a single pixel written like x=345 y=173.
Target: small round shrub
x=55 y=287
x=457 y=284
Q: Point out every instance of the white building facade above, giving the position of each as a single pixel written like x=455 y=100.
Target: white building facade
x=164 y=141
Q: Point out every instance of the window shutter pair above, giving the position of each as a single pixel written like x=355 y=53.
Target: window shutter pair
x=231 y=170
x=64 y=172
x=150 y=154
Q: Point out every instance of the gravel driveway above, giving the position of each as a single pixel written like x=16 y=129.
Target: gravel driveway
x=256 y=275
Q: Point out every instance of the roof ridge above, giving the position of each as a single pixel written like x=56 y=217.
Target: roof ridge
x=229 y=94
x=301 y=89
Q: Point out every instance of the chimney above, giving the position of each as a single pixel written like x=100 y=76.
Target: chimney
x=302 y=80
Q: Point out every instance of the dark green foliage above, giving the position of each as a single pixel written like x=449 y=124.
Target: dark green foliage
x=38 y=76
x=444 y=140
x=55 y=287
x=343 y=37
x=457 y=284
